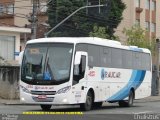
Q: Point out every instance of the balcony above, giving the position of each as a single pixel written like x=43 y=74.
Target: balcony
x=5 y=15
x=139 y=10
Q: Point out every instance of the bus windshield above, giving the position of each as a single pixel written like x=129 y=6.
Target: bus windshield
x=46 y=64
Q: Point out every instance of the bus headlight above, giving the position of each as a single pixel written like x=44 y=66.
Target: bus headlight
x=64 y=90
x=25 y=89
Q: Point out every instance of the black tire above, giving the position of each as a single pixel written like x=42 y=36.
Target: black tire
x=46 y=107
x=129 y=102
x=122 y=103
x=97 y=104
x=89 y=102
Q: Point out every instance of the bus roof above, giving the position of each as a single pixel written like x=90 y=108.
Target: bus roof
x=88 y=40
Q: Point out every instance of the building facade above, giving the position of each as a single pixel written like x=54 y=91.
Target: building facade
x=10 y=33
x=19 y=14
x=7 y=12
x=10 y=41
x=141 y=12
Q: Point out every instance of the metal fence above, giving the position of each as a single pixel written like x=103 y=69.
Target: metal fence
x=155 y=81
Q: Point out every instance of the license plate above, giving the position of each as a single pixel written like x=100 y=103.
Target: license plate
x=42 y=97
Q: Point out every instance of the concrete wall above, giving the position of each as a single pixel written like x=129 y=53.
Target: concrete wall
x=23 y=12
x=128 y=20
x=9 y=80
x=157 y=19
x=23 y=9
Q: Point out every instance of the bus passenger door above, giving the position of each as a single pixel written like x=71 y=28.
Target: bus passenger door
x=80 y=77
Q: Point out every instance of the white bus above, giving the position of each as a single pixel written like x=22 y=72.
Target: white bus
x=83 y=70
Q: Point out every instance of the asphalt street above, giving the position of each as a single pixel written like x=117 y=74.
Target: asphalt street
x=110 y=111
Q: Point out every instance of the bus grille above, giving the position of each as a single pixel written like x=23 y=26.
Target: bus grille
x=43 y=92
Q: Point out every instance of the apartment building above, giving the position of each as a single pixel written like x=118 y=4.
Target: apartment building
x=22 y=17
x=145 y=13
x=9 y=32
x=18 y=13
x=7 y=12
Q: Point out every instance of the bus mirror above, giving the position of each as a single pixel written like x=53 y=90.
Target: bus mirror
x=20 y=57
x=77 y=58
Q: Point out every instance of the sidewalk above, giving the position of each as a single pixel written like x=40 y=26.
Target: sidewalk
x=10 y=102
x=149 y=99
x=17 y=102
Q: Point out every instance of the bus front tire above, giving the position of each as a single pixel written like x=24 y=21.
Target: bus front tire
x=88 y=104
x=129 y=102
x=46 y=107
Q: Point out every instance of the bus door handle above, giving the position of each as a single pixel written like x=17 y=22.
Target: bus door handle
x=82 y=88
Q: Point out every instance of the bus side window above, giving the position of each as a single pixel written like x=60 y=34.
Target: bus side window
x=80 y=70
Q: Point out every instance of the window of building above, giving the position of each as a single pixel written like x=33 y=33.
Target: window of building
x=147 y=25
x=43 y=7
x=1 y=9
x=148 y=4
x=153 y=27
x=10 y=9
x=137 y=22
x=137 y=3
x=7 y=47
x=153 y=5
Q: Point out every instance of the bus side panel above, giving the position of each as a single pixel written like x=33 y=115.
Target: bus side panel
x=144 y=89
x=137 y=81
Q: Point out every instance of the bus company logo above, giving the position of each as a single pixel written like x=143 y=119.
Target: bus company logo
x=92 y=73
x=110 y=74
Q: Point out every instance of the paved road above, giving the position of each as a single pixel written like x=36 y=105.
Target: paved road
x=107 y=111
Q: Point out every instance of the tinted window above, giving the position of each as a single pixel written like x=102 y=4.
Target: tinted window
x=105 y=55
x=93 y=55
x=116 y=58
x=127 y=59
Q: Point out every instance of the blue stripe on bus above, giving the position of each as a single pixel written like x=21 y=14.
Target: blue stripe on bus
x=136 y=49
x=135 y=81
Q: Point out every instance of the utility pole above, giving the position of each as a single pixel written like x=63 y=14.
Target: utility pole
x=34 y=19
x=157 y=64
x=91 y=6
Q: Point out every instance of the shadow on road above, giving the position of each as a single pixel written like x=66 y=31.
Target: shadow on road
x=76 y=108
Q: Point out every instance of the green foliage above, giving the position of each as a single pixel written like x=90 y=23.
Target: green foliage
x=82 y=23
x=99 y=32
x=137 y=37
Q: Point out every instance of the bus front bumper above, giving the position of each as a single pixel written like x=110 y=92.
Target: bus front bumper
x=44 y=99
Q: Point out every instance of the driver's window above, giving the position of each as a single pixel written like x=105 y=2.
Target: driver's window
x=80 y=70
x=82 y=66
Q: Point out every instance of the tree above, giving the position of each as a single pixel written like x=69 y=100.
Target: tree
x=99 y=32
x=137 y=37
x=82 y=23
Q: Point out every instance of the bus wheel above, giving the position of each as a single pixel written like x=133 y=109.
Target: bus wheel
x=97 y=104
x=46 y=107
x=89 y=102
x=129 y=102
